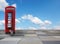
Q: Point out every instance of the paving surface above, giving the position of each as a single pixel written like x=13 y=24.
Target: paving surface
x=37 y=38
x=10 y=40
x=51 y=42
x=30 y=40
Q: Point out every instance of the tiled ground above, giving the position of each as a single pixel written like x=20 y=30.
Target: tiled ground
x=38 y=38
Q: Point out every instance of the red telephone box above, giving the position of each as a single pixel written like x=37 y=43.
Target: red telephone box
x=10 y=19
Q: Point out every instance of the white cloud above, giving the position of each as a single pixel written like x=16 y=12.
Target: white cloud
x=43 y=27
x=36 y=20
x=18 y=28
x=33 y=19
x=3 y=4
x=27 y=28
x=2 y=22
x=17 y=20
x=47 y=22
x=56 y=27
x=14 y=5
x=32 y=28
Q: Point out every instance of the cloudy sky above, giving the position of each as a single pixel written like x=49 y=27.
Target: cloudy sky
x=33 y=14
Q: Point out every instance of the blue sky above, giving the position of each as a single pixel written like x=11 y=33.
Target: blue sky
x=48 y=11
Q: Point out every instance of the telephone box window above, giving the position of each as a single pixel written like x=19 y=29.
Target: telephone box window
x=9 y=19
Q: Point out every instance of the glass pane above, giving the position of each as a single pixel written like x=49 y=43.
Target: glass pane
x=9 y=25
x=9 y=15
x=9 y=19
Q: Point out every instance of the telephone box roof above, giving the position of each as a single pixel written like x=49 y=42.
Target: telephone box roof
x=10 y=7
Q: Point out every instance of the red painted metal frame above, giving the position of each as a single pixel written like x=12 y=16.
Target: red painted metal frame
x=9 y=10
